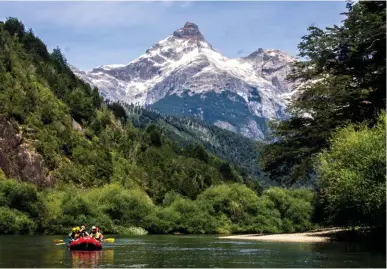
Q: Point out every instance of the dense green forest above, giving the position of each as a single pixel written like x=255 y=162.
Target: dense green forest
x=336 y=134
x=91 y=165
x=68 y=157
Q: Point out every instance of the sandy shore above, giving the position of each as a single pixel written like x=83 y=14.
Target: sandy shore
x=312 y=236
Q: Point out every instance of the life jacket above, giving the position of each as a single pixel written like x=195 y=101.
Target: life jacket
x=74 y=235
x=96 y=235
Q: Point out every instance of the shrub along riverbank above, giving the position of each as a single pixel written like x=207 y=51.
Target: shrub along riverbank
x=221 y=209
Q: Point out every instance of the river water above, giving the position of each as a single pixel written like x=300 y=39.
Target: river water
x=184 y=251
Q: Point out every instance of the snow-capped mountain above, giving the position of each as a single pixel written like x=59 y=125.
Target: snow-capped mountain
x=184 y=75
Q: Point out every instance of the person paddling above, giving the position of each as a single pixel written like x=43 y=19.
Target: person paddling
x=94 y=233
x=75 y=234
x=83 y=231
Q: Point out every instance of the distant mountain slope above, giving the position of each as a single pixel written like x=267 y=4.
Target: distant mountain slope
x=183 y=75
x=235 y=148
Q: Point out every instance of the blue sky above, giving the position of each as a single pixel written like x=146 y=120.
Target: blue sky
x=96 y=33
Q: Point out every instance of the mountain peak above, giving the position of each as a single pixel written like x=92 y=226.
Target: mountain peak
x=183 y=75
x=267 y=54
x=191 y=24
x=189 y=30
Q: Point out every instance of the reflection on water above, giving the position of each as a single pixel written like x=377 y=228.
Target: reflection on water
x=50 y=256
x=185 y=251
x=108 y=255
x=90 y=259
x=86 y=259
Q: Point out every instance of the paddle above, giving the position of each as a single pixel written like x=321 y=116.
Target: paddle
x=60 y=244
x=107 y=240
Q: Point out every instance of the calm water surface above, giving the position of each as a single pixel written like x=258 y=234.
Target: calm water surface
x=184 y=251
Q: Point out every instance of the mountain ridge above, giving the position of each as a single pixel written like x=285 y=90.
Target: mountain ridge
x=184 y=72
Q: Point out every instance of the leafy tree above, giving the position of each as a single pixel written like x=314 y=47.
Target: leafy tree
x=59 y=58
x=14 y=27
x=341 y=81
x=126 y=207
x=20 y=196
x=234 y=200
x=81 y=105
x=352 y=176
x=197 y=151
x=154 y=135
x=35 y=46
x=294 y=206
x=13 y=221
x=118 y=111
x=228 y=172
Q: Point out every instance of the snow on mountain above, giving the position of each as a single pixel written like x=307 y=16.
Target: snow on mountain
x=184 y=75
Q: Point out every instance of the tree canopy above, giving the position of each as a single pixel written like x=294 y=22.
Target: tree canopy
x=352 y=176
x=342 y=81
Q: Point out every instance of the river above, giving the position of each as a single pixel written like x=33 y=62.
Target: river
x=184 y=251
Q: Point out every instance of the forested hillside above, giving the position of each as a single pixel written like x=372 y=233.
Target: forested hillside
x=74 y=159
x=337 y=130
x=184 y=131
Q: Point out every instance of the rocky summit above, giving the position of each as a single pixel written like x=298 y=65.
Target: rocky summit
x=183 y=75
x=190 y=30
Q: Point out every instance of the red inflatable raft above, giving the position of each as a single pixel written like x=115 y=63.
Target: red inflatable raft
x=85 y=243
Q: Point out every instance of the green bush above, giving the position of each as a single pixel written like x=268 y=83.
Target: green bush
x=195 y=217
x=15 y=222
x=234 y=200
x=125 y=207
x=21 y=196
x=162 y=220
x=295 y=207
x=239 y=209
x=352 y=176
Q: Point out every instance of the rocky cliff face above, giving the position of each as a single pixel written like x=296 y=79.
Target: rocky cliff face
x=18 y=159
x=183 y=75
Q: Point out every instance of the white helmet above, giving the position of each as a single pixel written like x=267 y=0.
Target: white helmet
x=93 y=228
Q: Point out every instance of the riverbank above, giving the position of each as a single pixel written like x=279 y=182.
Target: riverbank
x=323 y=235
